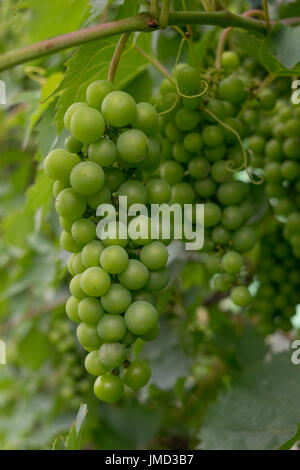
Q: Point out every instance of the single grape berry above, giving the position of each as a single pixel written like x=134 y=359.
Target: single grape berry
x=95 y=281
x=137 y=375
x=241 y=296
x=112 y=354
x=87 y=178
x=154 y=256
x=83 y=231
x=119 y=109
x=72 y=309
x=69 y=113
x=109 y=388
x=141 y=317
x=103 y=152
x=59 y=163
x=114 y=259
x=132 y=146
x=93 y=364
x=111 y=328
x=232 y=262
x=134 y=276
x=91 y=252
x=116 y=300
x=97 y=91
x=146 y=118
x=88 y=337
x=70 y=204
x=87 y=125
x=90 y=310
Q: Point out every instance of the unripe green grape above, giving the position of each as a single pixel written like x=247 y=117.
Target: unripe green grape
x=114 y=177
x=166 y=86
x=143 y=294
x=83 y=231
x=59 y=163
x=213 y=136
x=256 y=143
x=154 y=256
x=169 y=103
x=103 y=152
x=73 y=145
x=187 y=78
x=220 y=173
x=291 y=148
x=244 y=239
x=69 y=265
x=146 y=118
x=231 y=193
x=152 y=160
x=135 y=192
x=87 y=125
x=139 y=230
x=158 y=280
x=114 y=234
x=230 y=60
x=158 y=191
x=173 y=133
x=182 y=193
x=193 y=142
x=217 y=107
x=129 y=338
x=117 y=299
x=135 y=275
x=272 y=172
x=180 y=154
x=241 y=296
x=214 y=154
x=192 y=103
x=235 y=124
x=141 y=317
x=87 y=178
x=77 y=265
x=109 y=388
x=70 y=204
x=267 y=99
x=187 y=120
x=75 y=287
x=101 y=197
x=95 y=281
x=72 y=309
x=223 y=282
x=111 y=328
x=137 y=375
x=70 y=112
x=93 y=364
x=232 y=89
x=69 y=243
x=290 y=170
x=112 y=354
x=58 y=186
x=284 y=207
x=198 y=168
x=232 y=262
x=88 y=337
x=172 y=172
x=119 y=109
x=232 y=218
x=220 y=235
x=132 y=146
x=90 y=310
x=250 y=117
x=205 y=187
x=97 y=91
x=91 y=252
x=152 y=334
x=212 y=214
x=66 y=224
x=114 y=259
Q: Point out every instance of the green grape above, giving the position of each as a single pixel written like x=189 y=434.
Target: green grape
x=68 y=243
x=72 y=309
x=173 y=133
x=193 y=142
x=198 y=168
x=70 y=112
x=132 y=146
x=90 y=310
x=116 y=300
x=241 y=296
x=187 y=120
x=232 y=218
x=213 y=136
x=267 y=99
x=154 y=256
x=111 y=328
x=152 y=334
x=101 y=197
x=87 y=178
x=290 y=170
x=95 y=281
x=70 y=265
x=109 y=388
x=119 y=109
x=135 y=275
x=187 y=79
x=172 y=172
x=141 y=317
x=232 y=89
x=152 y=160
x=97 y=91
x=114 y=259
x=223 y=282
x=217 y=107
x=87 y=125
x=88 y=337
x=59 y=163
x=146 y=118
x=143 y=294
x=135 y=192
x=75 y=287
x=137 y=375
x=212 y=214
x=158 y=191
x=292 y=128
x=220 y=173
x=93 y=365
x=232 y=262
x=103 y=152
x=205 y=187
x=112 y=354
x=83 y=231
x=180 y=154
x=73 y=145
x=214 y=154
x=235 y=124
x=90 y=255
x=256 y=143
x=77 y=265
x=70 y=205
x=230 y=60
x=167 y=86
x=139 y=230
x=220 y=235
x=291 y=148
x=272 y=172
x=129 y=338
x=158 y=280
x=58 y=186
x=244 y=239
x=66 y=224
x=231 y=193
x=182 y=193
x=114 y=235
x=114 y=177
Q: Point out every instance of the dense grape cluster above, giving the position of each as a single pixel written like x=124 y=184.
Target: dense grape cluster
x=114 y=277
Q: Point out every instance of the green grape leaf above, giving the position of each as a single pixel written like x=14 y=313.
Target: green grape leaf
x=260 y=411
x=269 y=53
x=74 y=437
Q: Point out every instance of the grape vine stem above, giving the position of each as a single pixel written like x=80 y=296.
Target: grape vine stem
x=117 y=56
x=141 y=22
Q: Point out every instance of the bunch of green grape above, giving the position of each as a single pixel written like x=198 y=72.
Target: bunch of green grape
x=116 y=276
x=278 y=276
x=201 y=152
x=70 y=382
